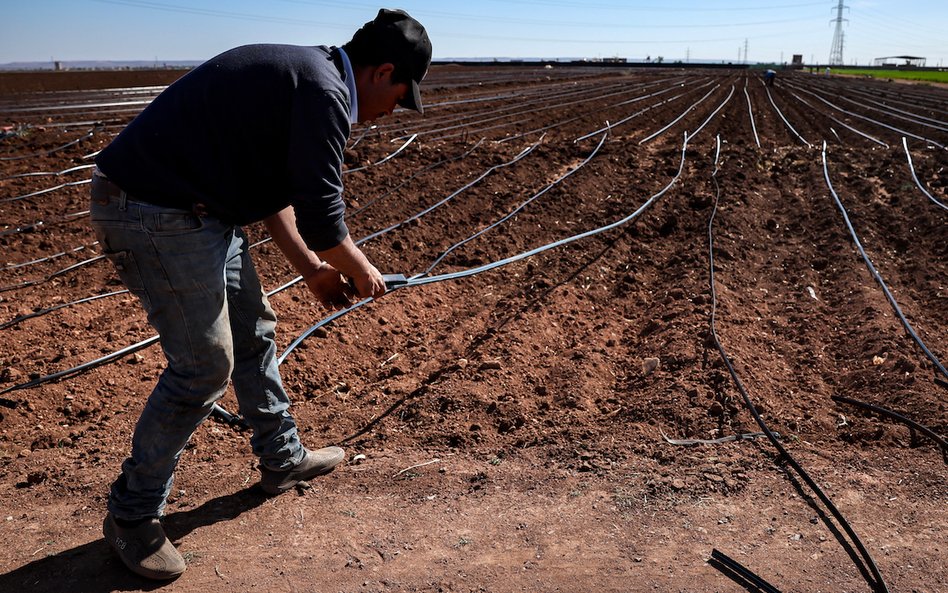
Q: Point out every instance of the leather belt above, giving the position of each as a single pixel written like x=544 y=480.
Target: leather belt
x=114 y=192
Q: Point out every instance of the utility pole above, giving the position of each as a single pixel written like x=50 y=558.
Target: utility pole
x=745 y=50
x=836 y=52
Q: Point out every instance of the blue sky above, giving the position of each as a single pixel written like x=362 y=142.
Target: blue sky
x=164 y=30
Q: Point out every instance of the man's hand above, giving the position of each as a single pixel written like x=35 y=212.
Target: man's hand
x=329 y=287
x=370 y=283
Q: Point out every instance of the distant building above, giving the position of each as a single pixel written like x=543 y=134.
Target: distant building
x=907 y=62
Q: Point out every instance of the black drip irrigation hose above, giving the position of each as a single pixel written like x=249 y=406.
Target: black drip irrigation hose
x=780 y=113
x=890 y=111
x=939 y=368
x=55 y=274
x=454 y=194
x=404 y=182
x=641 y=111
x=679 y=118
x=842 y=123
x=878 y=584
x=48 y=173
x=869 y=119
x=379 y=162
x=750 y=111
x=527 y=105
x=45 y=191
x=21 y=318
x=913 y=425
x=738 y=573
x=588 y=113
x=908 y=155
x=418 y=280
x=47 y=258
x=149 y=341
x=52 y=150
x=713 y=113
x=513 y=212
x=42 y=224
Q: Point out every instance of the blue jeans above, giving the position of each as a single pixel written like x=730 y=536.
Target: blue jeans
x=197 y=284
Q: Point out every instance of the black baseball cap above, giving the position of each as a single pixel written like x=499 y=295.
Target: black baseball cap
x=396 y=37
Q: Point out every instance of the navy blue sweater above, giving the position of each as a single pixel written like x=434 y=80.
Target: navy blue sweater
x=246 y=134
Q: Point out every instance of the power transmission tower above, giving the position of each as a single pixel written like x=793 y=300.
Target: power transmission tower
x=836 y=52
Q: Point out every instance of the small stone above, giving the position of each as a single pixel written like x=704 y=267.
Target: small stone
x=649 y=365
x=10 y=374
x=878 y=360
x=490 y=365
x=678 y=484
x=716 y=409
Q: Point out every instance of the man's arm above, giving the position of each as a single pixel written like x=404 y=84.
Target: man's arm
x=321 y=270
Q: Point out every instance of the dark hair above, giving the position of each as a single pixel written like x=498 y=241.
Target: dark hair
x=365 y=52
x=393 y=37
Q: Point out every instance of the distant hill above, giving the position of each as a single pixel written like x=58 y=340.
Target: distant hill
x=100 y=65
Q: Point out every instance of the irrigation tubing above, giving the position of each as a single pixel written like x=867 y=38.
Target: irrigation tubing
x=52 y=150
x=879 y=584
x=513 y=212
x=870 y=120
x=529 y=102
x=638 y=113
x=899 y=114
x=404 y=182
x=911 y=114
x=392 y=155
x=878 y=278
x=48 y=173
x=590 y=112
x=40 y=312
x=841 y=122
x=780 y=113
x=679 y=118
x=48 y=257
x=419 y=280
x=739 y=573
x=55 y=274
x=149 y=341
x=46 y=191
x=309 y=331
x=913 y=426
x=750 y=112
x=915 y=177
x=454 y=194
x=713 y=113
x=42 y=224
x=526 y=102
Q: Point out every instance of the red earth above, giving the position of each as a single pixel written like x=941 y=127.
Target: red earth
x=506 y=431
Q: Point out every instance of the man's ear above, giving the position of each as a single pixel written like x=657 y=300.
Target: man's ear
x=383 y=70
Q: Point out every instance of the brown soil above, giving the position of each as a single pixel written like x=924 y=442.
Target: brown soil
x=505 y=432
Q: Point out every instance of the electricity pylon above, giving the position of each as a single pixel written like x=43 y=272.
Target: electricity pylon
x=836 y=53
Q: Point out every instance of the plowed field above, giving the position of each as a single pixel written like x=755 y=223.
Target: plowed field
x=532 y=426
